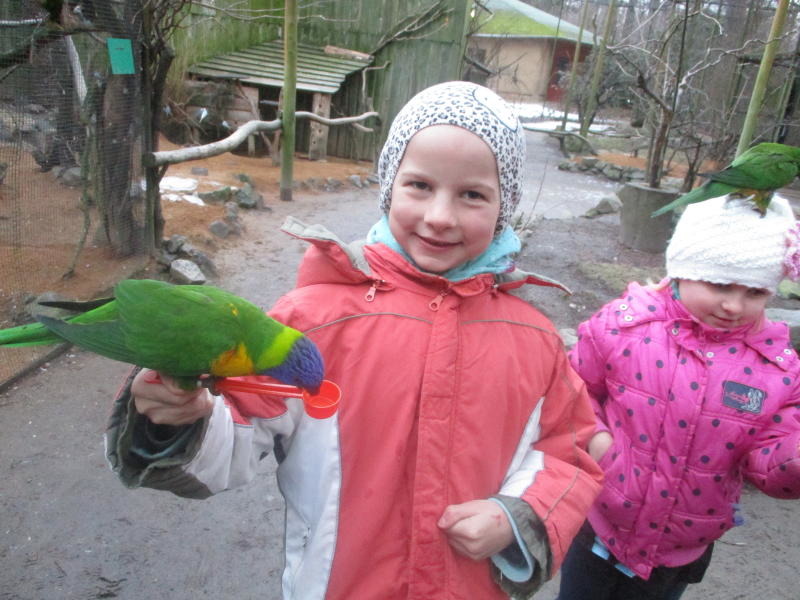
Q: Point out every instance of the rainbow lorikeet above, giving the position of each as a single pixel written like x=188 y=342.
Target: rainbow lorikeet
x=180 y=330
x=755 y=173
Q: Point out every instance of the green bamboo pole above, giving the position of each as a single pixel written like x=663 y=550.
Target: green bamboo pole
x=760 y=87
x=574 y=70
x=598 y=68
x=288 y=120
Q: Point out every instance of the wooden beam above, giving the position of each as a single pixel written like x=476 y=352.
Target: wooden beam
x=318 y=139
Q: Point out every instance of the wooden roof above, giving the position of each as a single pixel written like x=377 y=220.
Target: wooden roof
x=318 y=69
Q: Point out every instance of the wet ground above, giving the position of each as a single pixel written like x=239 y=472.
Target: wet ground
x=70 y=530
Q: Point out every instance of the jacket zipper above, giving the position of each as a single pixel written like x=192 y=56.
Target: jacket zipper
x=376 y=285
x=437 y=301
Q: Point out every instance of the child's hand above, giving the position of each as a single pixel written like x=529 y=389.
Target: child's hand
x=476 y=529
x=599 y=444
x=162 y=401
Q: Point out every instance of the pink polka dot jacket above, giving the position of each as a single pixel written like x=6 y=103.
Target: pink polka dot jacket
x=694 y=411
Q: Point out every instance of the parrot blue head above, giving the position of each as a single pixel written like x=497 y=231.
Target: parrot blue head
x=303 y=366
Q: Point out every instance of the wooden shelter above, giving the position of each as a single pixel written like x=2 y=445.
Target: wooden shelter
x=522 y=52
x=259 y=71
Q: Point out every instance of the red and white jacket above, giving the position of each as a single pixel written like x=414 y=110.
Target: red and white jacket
x=450 y=392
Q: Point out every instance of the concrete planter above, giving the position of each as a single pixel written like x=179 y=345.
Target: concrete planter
x=638 y=230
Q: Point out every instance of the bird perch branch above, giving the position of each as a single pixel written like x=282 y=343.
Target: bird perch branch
x=169 y=157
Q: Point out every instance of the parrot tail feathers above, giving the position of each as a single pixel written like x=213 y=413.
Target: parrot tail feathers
x=32 y=334
x=75 y=306
x=711 y=189
x=104 y=338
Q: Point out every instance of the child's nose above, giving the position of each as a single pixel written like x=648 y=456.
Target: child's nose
x=733 y=303
x=440 y=212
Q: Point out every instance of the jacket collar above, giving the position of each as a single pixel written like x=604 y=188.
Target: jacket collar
x=642 y=304
x=359 y=262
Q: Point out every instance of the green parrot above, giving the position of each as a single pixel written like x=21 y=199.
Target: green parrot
x=183 y=331
x=757 y=172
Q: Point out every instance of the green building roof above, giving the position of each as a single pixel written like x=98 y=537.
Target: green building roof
x=262 y=65
x=512 y=18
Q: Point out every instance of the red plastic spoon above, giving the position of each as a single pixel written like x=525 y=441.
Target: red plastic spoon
x=321 y=405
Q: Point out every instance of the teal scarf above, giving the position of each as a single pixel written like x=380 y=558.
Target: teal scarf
x=497 y=258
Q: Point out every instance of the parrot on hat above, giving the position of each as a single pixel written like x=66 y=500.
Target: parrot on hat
x=756 y=174
x=183 y=331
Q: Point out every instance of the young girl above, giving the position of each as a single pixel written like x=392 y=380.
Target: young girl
x=699 y=391
x=461 y=429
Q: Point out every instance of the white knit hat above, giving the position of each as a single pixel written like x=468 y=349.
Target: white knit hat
x=726 y=240
x=474 y=108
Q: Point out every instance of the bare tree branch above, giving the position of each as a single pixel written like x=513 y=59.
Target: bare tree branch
x=168 y=157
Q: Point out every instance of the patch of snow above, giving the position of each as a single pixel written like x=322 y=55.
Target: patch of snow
x=177 y=184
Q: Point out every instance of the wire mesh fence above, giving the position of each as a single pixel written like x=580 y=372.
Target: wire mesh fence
x=72 y=122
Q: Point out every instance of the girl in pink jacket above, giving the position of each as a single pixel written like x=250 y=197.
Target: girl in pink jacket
x=455 y=467
x=699 y=391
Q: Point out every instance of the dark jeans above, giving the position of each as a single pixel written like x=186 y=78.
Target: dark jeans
x=586 y=576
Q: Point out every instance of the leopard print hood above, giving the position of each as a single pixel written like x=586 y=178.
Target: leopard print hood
x=476 y=109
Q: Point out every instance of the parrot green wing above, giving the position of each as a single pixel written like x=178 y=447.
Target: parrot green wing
x=766 y=166
x=193 y=329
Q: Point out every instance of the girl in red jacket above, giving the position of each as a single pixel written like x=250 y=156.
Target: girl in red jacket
x=700 y=391
x=455 y=465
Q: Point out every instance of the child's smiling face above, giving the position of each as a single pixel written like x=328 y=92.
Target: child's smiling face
x=445 y=198
x=723 y=305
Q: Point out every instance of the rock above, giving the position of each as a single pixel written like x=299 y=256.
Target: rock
x=185 y=271
x=199 y=258
x=373 y=178
x=199 y=171
x=175 y=243
x=244 y=178
x=217 y=196
x=613 y=172
x=248 y=197
x=589 y=162
x=607 y=205
x=332 y=184
x=165 y=258
x=71 y=177
x=219 y=228
x=356 y=181
x=567 y=165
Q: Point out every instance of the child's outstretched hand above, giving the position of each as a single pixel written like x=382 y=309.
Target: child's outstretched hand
x=599 y=444
x=162 y=401
x=476 y=529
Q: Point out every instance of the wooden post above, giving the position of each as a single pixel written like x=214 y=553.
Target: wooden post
x=318 y=140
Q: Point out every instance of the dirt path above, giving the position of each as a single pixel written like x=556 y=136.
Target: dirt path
x=70 y=530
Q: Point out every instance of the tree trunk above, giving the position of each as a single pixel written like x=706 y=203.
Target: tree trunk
x=638 y=230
